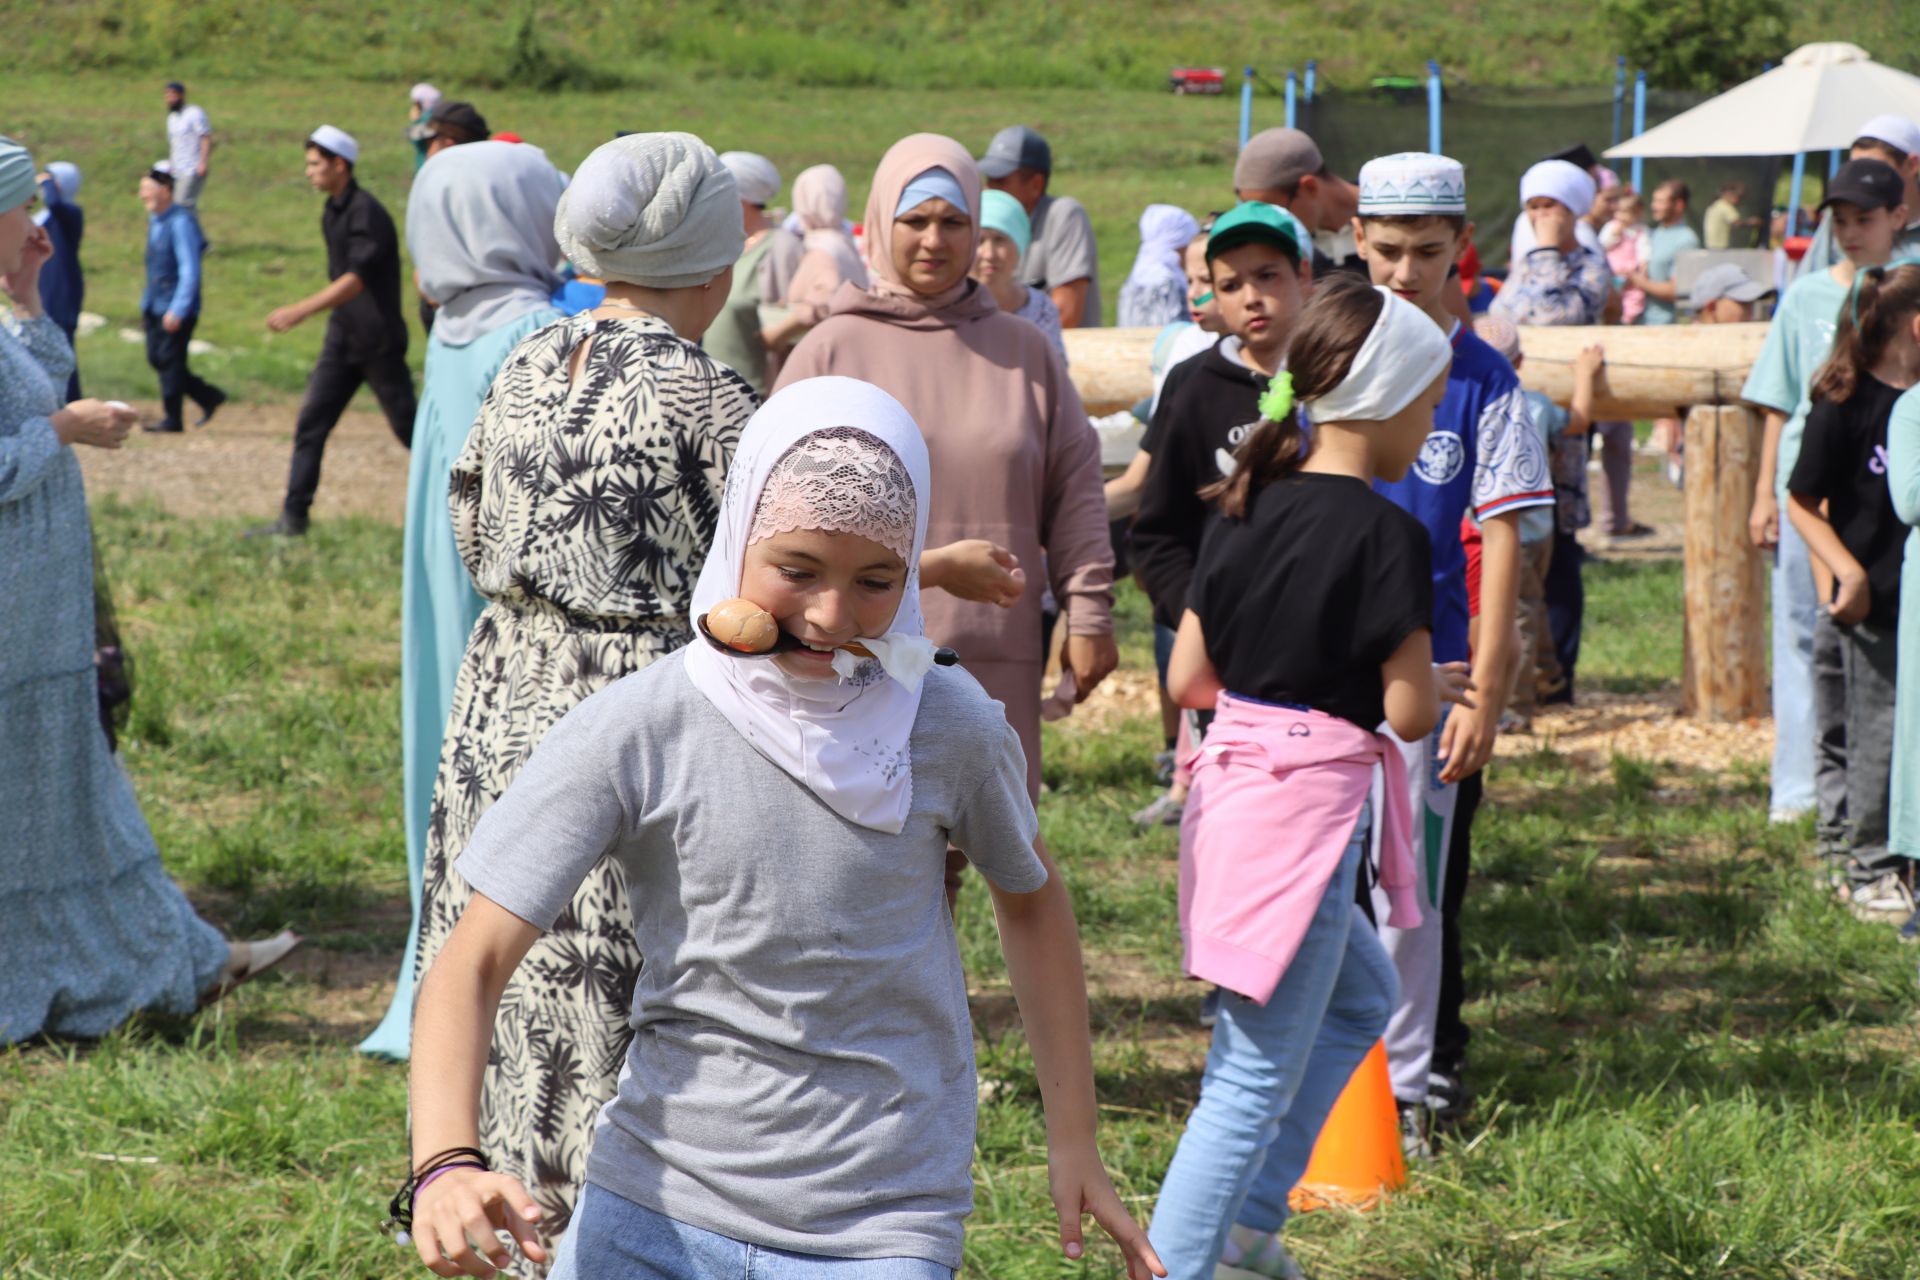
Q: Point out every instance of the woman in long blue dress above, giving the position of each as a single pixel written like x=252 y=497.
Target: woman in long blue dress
x=91 y=929
x=480 y=231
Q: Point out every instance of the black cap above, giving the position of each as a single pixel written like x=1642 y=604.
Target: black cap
x=1579 y=153
x=176 y=86
x=1867 y=184
x=459 y=117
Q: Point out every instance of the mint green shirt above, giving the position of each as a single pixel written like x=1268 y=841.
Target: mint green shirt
x=1798 y=343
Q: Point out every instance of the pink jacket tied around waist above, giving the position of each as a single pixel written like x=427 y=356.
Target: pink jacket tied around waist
x=1276 y=793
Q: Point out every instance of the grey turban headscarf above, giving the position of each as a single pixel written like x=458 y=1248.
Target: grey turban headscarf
x=652 y=209
x=480 y=229
x=16 y=176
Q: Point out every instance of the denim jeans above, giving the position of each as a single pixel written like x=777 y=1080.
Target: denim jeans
x=1794 y=612
x=1272 y=1075
x=612 y=1238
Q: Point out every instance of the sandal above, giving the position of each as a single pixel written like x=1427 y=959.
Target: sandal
x=248 y=960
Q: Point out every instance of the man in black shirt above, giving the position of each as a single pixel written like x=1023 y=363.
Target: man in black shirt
x=366 y=334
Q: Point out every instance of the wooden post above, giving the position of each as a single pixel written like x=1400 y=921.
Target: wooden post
x=1726 y=596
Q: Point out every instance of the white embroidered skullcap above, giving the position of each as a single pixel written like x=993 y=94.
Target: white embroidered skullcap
x=338 y=141
x=1412 y=182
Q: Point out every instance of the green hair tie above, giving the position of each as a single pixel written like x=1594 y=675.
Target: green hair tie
x=1277 y=401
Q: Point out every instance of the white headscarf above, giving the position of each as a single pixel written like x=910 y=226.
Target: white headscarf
x=653 y=209
x=1165 y=231
x=1560 y=180
x=480 y=230
x=1402 y=355
x=754 y=175
x=846 y=740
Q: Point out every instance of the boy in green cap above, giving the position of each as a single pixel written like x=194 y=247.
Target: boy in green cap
x=1258 y=257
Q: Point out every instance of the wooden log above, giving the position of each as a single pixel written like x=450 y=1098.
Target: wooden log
x=1652 y=371
x=1725 y=677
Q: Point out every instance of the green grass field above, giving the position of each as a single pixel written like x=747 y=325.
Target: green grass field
x=1689 y=1062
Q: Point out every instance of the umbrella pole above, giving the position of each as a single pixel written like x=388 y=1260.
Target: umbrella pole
x=1793 y=192
x=1639 y=127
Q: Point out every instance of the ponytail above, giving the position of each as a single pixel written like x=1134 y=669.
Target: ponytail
x=1331 y=331
x=1881 y=300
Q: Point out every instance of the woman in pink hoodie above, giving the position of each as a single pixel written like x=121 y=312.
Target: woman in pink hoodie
x=1308 y=624
x=1016 y=466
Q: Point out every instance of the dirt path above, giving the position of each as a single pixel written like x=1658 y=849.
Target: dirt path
x=237 y=465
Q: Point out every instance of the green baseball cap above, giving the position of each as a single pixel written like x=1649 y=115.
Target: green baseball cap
x=1256 y=222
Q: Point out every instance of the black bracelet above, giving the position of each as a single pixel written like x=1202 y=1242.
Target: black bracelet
x=399 y=1222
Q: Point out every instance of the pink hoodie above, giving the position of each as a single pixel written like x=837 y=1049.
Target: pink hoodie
x=1276 y=794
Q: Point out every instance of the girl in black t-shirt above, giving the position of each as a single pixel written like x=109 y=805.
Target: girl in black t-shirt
x=1307 y=623
x=1841 y=504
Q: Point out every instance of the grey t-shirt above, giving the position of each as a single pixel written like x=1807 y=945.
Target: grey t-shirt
x=801 y=1074
x=1063 y=251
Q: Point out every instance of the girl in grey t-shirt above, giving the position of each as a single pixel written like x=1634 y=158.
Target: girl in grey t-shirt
x=799 y=1095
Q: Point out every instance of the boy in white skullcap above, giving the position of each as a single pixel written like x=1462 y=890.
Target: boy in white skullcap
x=1483 y=464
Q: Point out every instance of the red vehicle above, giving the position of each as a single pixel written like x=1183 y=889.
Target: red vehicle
x=1197 y=80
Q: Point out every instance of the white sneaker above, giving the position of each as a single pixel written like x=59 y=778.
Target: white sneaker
x=1257 y=1255
x=1887 y=896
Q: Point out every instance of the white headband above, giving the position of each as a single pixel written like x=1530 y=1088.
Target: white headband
x=1404 y=352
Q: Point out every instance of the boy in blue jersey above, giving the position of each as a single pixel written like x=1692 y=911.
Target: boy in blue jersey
x=1483 y=458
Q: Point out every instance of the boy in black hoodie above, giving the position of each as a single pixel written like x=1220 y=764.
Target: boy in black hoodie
x=1261 y=274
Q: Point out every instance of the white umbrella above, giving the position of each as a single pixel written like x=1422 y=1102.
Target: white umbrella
x=1814 y=101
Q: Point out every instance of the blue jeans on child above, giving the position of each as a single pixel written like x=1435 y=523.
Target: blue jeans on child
x=612 y=1238
x=1273 y=1074
x=1795 y=609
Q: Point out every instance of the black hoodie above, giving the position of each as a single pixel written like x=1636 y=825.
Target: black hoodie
x=1207 y=406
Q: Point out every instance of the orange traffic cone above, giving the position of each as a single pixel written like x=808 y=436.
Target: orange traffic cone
x=1358 y=1156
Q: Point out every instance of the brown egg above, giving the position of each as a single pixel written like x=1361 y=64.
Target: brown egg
x=743 y=625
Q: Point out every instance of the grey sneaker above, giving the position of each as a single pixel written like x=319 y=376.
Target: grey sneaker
x=1163 y=812
x=1267 y=1259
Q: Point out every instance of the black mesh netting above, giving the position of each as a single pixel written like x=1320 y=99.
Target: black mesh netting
x=1498 y=134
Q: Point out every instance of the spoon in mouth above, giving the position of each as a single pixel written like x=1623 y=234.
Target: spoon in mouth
x=789 y=643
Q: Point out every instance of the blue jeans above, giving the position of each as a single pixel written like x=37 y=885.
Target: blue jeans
x=612 y=1238
x=1795 y=609
x=1273 y=1074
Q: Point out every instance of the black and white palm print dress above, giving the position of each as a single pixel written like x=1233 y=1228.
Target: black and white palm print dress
x=583 y=507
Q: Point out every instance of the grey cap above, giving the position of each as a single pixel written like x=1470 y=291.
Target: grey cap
x=1016 y=147
x=1276 y=160
x=1725 y=280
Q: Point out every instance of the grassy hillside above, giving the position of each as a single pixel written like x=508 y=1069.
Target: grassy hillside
x=980 y=43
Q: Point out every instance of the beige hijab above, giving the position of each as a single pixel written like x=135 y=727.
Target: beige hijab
x=906 y=160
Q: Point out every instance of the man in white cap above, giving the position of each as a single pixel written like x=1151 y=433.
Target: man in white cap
x=366 y=333
x=1284 y=167
x=1896 y=140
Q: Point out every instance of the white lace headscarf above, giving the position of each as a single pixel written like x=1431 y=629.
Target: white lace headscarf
x=842 y=455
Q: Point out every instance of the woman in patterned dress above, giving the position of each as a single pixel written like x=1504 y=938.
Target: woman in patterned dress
x=583 y=505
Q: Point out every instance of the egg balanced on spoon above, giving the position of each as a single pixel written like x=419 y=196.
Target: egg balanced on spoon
x=745 y=630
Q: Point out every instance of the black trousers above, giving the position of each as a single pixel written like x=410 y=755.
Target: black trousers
x=329 y=389
x=1450 y=1032
x=1566 y=594
x=167 y=353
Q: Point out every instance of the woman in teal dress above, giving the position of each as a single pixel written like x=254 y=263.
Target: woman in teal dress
x=480 y=231
x=91 y=929
x=1903 y=475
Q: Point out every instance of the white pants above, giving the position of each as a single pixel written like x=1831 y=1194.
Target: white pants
x=1416 y=952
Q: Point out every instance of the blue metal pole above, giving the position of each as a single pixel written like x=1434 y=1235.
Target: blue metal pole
x=1619 y=95
x=1433 y=107
x=1246 y=107
x=1293 y=97
x=1313 y=75
x=1793 y=195
x=1639 y=125
x=1834 y=159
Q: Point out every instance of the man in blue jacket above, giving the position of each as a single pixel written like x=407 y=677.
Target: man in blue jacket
x=170 y=307
x=62 y=287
